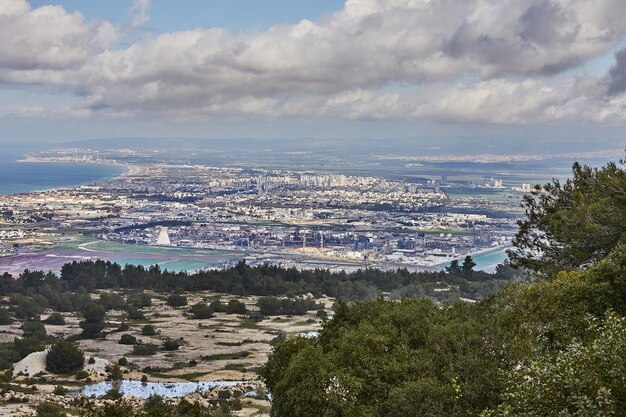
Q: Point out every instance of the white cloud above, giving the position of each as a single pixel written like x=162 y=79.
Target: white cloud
x=373 y=59
x=139 y=12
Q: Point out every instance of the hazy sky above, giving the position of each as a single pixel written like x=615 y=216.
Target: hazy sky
x=80 y=69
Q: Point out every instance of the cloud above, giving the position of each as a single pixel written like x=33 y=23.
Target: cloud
x=617 y=74
x=139 y=12
x=47 y=40
x=451 y=60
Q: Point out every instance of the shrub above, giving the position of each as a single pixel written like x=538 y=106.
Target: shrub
x=5 y=317
x=148 y=330
x=81 y=374
x=236 y=307
x=144 y=378
x=91 y=360
x=217 y=306
x=112 y=301
x=122 y=361
x=147 y=349
x=139 y=300
x=176 y=300
x=55 y=319
x=94 y=320
x=34 y=329
x=123 y=327
x=49 y=409
x=115 y=372
x=59 y=390
x=154 y=401
x=64 y=358
x=201 y=311
x=134 y=313
x=113 y=394
x=171 y=344
x=127 y=339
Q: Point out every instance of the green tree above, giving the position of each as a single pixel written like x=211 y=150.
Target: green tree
x=64 y=357
x=93 y=324
x=572 y=224
x=454 y=267
x=583 y=380
x=468 y=265
x=201 y=311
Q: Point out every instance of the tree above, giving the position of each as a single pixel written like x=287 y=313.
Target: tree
x=572 y=224
x=201 y=311
x=454 y=267
x=127 y=339
x=94 y=321
x=64 y=357
x=468 y=265
x=583 y=380
x=236 y=307
x=176 y=300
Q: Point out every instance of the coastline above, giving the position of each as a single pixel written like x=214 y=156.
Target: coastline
x=128 y=170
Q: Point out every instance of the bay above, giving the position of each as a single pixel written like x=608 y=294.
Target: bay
x=21 y=177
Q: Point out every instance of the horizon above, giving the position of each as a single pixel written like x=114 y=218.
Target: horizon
x=300 y=70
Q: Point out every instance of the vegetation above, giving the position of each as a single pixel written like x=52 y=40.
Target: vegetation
x=55 y=319
x=94 y=321
x=176 y=300
x=157 y=408
x=145 y=349
x=64 y=357
x=127 y=339
x=148 y=330
x=553 y=347
x=48 y=409
x=201 y=311
x=272 y=306
x=573 y=224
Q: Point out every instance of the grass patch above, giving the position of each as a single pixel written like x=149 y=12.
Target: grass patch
x=249 y=324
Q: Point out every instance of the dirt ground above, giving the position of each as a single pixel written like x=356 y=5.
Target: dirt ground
x=224 y=347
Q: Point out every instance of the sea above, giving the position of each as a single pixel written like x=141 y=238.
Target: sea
x=19 y=177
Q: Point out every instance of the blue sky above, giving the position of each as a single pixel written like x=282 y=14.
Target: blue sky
x=315 y=68
x=234 y=15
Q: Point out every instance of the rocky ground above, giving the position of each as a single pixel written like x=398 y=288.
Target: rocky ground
x=225 y=347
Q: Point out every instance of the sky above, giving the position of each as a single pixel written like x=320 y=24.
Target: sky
x=546 y=69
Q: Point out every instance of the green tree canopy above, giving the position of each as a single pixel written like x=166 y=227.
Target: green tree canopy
x=572 y=224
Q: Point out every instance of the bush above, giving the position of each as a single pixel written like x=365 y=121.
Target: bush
x=115 y=372
x=236 y=307
x=217 y=306
x=176 y=300
x=64 y=358
x=147 y=349
x=113 y=394
x=5 y=317
x=139 y=300
x=134 y=313
x=55 y=319
x=201 y=311
x=81 y=374
x=48 y=409
x=34 y=329
x=171 y=344
x=112 y=301
x=94 y=321
x=122 y=361
x=123 y=327
x=127 y=339
x=59 y=390
x=148 y=330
